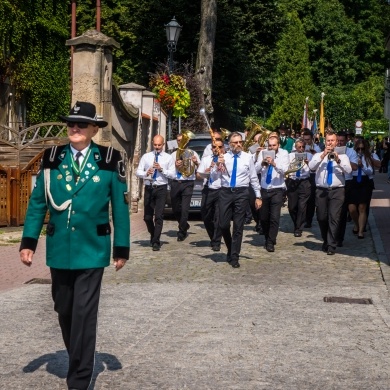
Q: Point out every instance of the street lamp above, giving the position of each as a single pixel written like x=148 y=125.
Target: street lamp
x=173 y=31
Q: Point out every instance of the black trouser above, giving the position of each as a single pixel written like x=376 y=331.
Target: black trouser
x=154 y=203
x=181 y=193
x=210 y=214
x=270 y=212
x=298 y=194
x=76 y=296
x=344 y=212
x=252 y=202
x=329 y=202
x=311 y=203
x=233 y=203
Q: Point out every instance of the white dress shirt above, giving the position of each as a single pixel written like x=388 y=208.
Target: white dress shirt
x=353 y=158
x=305 y=171
x=367 y=170
x=338 y=172
x=147 y=161
x=246 y=172
x=193 y=176
x=205 y=164
x=277 y=179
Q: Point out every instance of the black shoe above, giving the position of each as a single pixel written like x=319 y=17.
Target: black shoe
x=297 y=234
x=270 y=247
x=228 y=258
x=330 y=252
x=259 y=229
x=248 y=221
x=324 y=247
x=235 y=264
x=216 y=248
x=182 y=237
x=307 y=225
x=156 y=247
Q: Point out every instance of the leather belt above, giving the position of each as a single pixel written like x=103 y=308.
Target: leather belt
x=234 y=189
x=154 y=185
x=329 y=188
x=272 y=189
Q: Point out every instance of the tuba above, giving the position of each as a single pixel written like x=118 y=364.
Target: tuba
x=188 y=167
x=256 y=129
x=224 y=133
x=294 y=166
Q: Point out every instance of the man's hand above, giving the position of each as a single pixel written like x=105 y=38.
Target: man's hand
x=119 y=263
x=26 y=256
x=258 y=203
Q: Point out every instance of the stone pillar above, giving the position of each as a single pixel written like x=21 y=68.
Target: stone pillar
x=92 y=76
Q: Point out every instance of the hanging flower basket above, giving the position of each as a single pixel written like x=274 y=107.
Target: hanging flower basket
x=171 y=93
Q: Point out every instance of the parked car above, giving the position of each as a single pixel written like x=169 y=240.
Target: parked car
x=197 y=144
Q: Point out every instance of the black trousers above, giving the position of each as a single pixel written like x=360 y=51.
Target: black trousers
x=76 y=296
x=181 y=193
x=344 y=212
x=270 y=212
x=311 y=203
x=210 y=214
x=298 y=194
x=252 y=202
x=154 y=203
x=233 y=205
x=329 y=203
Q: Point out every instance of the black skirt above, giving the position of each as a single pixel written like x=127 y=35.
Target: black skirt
x=361 y=192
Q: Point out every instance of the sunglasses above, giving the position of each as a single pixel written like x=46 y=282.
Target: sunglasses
x=237 y=142
x=80 y=125
x=218 y=139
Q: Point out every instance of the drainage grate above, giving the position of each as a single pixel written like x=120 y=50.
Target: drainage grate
x=361 y=301
x=38 y=281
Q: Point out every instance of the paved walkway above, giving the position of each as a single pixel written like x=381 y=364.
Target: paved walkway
x=182 y=318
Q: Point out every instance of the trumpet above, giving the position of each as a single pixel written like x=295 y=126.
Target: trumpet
x=331 y=156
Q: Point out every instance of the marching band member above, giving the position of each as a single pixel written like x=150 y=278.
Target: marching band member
x=272 y=189
x=182 y=188
x=210 y=196
x=312 y=148
x=236 y=170
x=208 y=150
x=155 y=168
x=330 y=180
x=353 y=159
x=299 y=189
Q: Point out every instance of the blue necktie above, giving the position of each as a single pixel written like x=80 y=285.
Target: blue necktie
x=298 y=174
x=215 y=160
x=155 y=171
x=269 y=174
x=329 y=168
x=234 y=172
x=359 y=176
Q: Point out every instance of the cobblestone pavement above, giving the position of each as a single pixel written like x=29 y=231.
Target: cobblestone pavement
x=182 y=318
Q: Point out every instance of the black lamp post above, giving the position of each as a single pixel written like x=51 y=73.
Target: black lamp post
x=173 y=31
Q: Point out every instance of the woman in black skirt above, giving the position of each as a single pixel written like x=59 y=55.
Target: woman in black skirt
x=362 y=187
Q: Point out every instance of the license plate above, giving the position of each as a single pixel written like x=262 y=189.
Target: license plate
x=195 y=203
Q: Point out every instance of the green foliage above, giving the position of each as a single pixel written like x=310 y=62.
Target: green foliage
x=34 y=58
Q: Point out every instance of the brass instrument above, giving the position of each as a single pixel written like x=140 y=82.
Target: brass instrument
x=256 y=129
x=331 y=156
x=224 y=133
x=188 y=167
x=294 y=166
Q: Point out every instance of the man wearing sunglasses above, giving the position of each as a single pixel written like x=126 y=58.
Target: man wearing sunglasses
x=236 y=170
x=208 y=150
x=76 y=184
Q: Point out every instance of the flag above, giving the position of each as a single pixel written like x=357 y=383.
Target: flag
x=322 y=115
x=305 y=119
x=314 y=128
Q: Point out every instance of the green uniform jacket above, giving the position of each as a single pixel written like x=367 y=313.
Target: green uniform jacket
x=79 y=236
x=287 y=144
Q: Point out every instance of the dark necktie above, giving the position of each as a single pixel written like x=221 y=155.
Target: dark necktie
x=359 y=175
x=77 y=166
x=215 y=160
x=234 y=172
x=78 y=159
x=155 y=171
x=329 y=168
x=268 y=178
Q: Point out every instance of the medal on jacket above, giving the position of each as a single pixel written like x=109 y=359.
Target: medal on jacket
x=76 y=169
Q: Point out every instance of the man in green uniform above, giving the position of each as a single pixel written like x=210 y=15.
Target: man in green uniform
x=76 y=184
x=286 y=142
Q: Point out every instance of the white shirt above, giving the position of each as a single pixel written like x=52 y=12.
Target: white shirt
x=175 y=176
x=353 y=158
x=245 y=174
x=147 y=161
x=305 y=171
x=367 y=170
x=205 y=164
x=277 y=179
x=338 y=171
